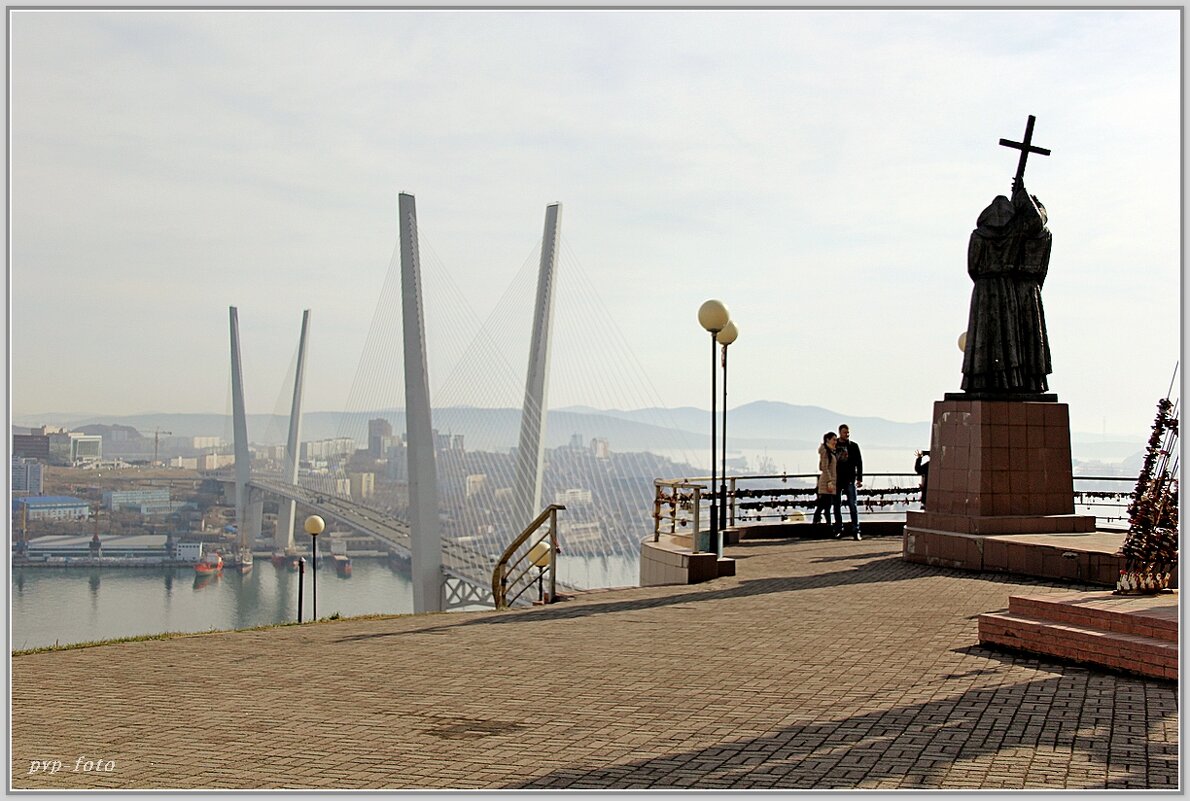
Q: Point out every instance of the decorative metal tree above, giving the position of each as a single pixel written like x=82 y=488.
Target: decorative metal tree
x=1151 y=547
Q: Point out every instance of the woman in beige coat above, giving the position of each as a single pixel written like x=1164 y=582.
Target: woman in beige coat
x=828 y=486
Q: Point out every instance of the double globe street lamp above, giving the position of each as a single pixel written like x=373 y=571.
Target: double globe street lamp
x=725 y=337
x=714 y=318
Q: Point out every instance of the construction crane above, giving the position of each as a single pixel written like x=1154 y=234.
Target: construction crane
x=157 y=441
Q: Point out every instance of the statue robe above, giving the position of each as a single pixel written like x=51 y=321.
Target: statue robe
x=1007 y=258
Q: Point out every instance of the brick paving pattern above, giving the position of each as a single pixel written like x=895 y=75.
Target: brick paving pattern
x=822 y=664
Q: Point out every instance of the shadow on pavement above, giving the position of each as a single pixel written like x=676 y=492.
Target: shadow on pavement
x=892 y=568
x=919 y=745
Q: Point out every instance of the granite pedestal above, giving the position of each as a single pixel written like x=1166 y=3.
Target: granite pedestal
x=997 y=467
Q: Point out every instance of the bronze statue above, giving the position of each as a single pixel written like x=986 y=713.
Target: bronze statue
x=1007 y=351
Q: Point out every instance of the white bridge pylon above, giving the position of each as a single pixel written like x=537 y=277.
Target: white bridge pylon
x=429 y=589
x=425 y=538
x=250 y=502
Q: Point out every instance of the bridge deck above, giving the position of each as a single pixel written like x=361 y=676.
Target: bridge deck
x=459 y=561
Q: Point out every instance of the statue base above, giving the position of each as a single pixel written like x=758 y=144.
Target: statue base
x=1000 y=467
x=1014 y=397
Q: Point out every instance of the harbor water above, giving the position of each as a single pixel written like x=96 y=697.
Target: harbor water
x=65 y=605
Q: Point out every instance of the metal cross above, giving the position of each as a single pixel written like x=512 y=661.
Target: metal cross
x=1026 y=147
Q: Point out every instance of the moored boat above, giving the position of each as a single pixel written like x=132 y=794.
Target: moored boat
x=210 y=564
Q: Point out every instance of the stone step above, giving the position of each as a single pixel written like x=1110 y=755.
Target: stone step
x=1147 y=616
x=1132 y=653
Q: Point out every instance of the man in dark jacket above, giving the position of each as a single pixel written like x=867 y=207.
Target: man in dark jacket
x=923 y=470
x=850 y=475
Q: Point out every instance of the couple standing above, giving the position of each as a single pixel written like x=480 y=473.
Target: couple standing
x=840 y=469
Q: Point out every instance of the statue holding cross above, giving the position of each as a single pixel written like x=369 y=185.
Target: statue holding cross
x=1007 y=354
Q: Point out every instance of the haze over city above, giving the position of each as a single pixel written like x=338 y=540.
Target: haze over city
x=820 y=171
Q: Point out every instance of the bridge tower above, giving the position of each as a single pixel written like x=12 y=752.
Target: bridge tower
x=531 y=450
x=239 y=421
x=283 y=537
x=425 y=535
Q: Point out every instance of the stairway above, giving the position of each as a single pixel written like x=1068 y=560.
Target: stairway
x=1130 y=633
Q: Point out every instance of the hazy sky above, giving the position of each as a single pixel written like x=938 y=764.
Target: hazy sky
x=818 y=170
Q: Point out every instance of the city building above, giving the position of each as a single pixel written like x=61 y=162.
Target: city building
x=72 y=448
x=380 y=437
x=600 y=448
x=51 y=507
x=363 y=485
x=154 y=501
x=214 y=461
x=573 y=497
x=475 y=483
x=31 y=446
x=26 y=476
x=327 y=448
x=126 y=546
x=397 y=466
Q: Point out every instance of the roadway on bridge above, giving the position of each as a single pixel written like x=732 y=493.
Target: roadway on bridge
x=459 y=562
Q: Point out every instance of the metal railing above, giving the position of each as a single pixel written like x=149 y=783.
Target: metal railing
x=682 y=506
x=512 y=577
x=683 y=496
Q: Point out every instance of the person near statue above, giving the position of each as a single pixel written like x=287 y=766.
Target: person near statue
x=827 y=480
x=1007 y=349
x=923 y=470
x=850 y=475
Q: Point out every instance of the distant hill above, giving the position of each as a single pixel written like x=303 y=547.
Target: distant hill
x=769 y=425
x=785 y=425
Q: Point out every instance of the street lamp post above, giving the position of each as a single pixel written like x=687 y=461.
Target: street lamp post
x=725 y=338
x=314 y=526
x=713 y=317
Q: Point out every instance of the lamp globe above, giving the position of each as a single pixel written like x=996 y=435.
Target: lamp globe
x=713 y=315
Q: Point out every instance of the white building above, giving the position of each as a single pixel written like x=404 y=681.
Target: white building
x=72 y=448
x=573 y=497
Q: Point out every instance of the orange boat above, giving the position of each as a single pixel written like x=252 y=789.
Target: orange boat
x=210 y=565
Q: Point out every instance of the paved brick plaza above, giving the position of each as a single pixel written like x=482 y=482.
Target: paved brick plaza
x=822 y=664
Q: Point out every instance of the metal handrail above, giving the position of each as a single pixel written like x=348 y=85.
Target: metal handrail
x=506 y=564
x=668 y=499
x=674 y=500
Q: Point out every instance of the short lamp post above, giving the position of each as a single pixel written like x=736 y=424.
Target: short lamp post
x=725 y=338
x=315 y=525
x=713 y=317
x=301 y=582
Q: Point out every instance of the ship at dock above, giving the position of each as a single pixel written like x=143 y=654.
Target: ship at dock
x=209 y=565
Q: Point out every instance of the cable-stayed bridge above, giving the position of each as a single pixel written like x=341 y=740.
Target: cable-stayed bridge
x=454 y=509
x=467 y=574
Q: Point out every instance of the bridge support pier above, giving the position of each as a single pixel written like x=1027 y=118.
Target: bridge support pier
x=249 y=529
